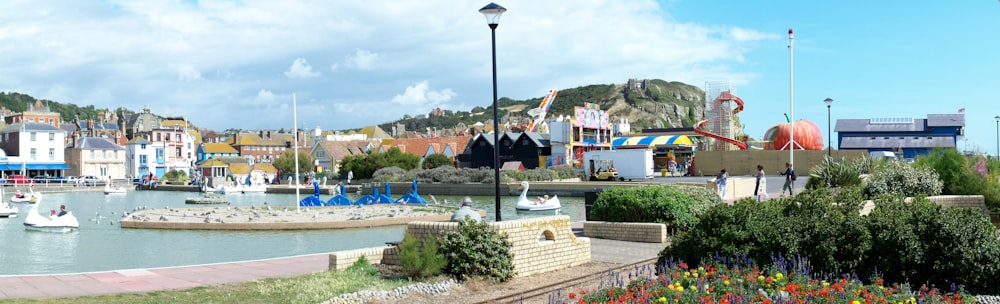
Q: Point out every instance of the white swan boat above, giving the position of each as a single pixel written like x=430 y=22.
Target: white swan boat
x=7 y=209
x=109 y=189
x=30 y=197
x=52 y=223
x=525 y=204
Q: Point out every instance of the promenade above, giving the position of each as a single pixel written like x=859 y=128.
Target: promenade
x=155 y=279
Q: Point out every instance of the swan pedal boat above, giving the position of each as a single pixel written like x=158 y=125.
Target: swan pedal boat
x=525 y=204
x=29 y=197
x=109 y=189
x=52 y=223
x=8 y=209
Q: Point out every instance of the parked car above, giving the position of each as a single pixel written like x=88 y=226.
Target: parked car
x=85 y=180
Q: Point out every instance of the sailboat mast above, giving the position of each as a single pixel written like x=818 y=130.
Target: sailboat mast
x=295 y=135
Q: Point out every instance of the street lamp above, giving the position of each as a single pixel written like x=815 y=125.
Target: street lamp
x=997 y=118
x=829 y=140
x=492 y=12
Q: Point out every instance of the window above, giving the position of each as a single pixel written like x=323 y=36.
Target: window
x=142 y=146
x=116 y=154
x=158 y=137
x=52 y=153
x=91 y=154
x=142 y=159
x=179 y=152
x=166 y=137
x=52 y=121
x=104 y=154
x=52 y=137
x=33 y=136
x=104 y=171
x=34 y=154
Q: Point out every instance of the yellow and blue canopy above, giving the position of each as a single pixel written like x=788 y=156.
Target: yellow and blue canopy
x=652 y=141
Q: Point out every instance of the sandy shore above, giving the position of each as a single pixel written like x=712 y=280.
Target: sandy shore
x=284 y=218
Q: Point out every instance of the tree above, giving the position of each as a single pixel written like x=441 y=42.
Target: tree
x=286 y=163
x=364 y=166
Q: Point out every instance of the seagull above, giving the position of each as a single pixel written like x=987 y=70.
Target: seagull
x=434 y=199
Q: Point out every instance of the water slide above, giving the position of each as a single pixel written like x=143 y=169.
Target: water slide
x=539 y=112
x=699 y=127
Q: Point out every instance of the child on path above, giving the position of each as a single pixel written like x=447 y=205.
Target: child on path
x=721 y=181
x=789 y=179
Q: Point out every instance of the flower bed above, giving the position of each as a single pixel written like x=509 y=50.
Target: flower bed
x=740 y=281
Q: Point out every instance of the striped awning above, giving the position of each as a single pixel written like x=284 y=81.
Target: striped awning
x=652 y=141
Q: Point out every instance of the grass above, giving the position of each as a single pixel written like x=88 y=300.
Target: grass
x=310 y=288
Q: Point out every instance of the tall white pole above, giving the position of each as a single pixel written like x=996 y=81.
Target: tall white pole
x=791 y=99
x=295 y=136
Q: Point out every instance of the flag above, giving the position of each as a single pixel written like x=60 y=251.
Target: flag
x=961 y=111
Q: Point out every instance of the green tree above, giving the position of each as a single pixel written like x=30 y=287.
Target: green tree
x=364 y=166
x=286 y=163
x=437 y=160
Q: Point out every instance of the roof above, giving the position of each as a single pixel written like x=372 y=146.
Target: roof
x=420 y=146
x=252 y=139
x=652 y=141
x=945 y=120
x=243 y=168
x=139 y=141
x=869 y=142
x=337 y=150
x=900 y=125
x=98 y=125
x=267 y=168
x=96 y=143
x=29 y=127
x=512 y=165
x=218 y=148
x=221 y=161
x=374 y=132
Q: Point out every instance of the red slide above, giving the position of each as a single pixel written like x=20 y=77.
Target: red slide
x=700 y=126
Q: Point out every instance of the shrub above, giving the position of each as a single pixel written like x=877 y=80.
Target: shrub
x=475 y=249
x=176 y=176
x=532 y=175
x=567 y=171
x=389 y=174
x=834 y=173
x=437 y=160
x=921 y=241
x=677 y=206
x=362 y=265
x=421 y=261
x=949 y=165
x=896 y=177
x=807 y=225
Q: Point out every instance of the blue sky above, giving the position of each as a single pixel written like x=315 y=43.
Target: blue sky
x=236 y=64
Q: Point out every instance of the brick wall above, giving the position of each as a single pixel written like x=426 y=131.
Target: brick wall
x=633 y=232
x=537 y=244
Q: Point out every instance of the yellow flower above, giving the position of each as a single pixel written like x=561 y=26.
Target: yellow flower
x=701 y=268
x=695 y=275
x=725 y=282
x=687 y=274
x=855 y=302
x=760 y=278
x=663 y=299
x=826 y=284
x=680 y=288
x=778 y=276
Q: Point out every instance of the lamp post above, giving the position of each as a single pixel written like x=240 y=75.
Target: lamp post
x=997 y=118
x=492 y=12
x=829 y=140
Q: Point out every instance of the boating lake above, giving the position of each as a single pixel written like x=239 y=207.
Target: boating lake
x=101 y=245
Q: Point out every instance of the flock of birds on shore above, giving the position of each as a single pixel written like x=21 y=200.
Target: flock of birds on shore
x=231 y=214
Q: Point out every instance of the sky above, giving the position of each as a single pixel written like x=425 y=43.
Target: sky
x=348 y=64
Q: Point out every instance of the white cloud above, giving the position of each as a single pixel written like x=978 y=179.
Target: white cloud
x=363 y=60
x=300 y=69
x=743 y=34
x=265 y=95
x=420 y=94
x=187 y=73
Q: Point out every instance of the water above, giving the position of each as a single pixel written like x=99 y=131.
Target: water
x=101 y=245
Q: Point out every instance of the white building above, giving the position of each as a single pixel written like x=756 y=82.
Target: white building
x=140 y=157
x=39 y=148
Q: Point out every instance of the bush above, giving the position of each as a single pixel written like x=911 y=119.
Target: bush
x=899 y=178
x=362 y=265
x=677 y=206
x=421 y=261
x=531 y=175
x=567 y=171
x=176 y=176
x=437 y=160
x=807 y=225
x=389 y=174
x=921 y=241
x=475 y=249
x=949 y=165
x=834 y=173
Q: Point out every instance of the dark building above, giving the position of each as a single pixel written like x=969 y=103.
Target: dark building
x=907 y=137
x=528 y=148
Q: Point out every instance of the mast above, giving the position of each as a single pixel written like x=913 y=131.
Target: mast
x=295 y=135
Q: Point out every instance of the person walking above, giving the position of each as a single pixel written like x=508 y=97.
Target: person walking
x=721 y=181
x=789 y=179
x=760 y=192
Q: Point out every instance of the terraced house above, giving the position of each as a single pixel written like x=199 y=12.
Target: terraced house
x=264 y=146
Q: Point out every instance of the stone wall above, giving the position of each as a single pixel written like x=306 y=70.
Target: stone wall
x=538 y=244
x=633 y=232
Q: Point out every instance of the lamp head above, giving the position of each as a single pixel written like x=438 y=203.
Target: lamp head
x=997 y=117
x=492 y=12
x=828 y=101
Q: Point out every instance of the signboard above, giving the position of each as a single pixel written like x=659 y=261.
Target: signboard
x=592 y=117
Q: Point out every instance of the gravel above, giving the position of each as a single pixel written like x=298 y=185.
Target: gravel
x=395 y=294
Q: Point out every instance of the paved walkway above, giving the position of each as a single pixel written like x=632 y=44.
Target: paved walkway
x=145 y=280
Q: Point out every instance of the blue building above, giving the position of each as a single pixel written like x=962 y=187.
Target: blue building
x=906 y=136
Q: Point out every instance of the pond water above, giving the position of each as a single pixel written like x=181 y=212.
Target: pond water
x=101 y=245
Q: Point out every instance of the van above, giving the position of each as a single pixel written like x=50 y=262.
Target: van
x=883 y=155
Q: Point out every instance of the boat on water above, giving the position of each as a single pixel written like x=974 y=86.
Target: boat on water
x=114 y=189
x=30 y=197
x=7 y=209
x=52 y=223
x=542 y=204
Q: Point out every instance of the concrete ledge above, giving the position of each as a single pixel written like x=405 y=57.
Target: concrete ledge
x=286 y=226
x=340 y=260
x=633 y=232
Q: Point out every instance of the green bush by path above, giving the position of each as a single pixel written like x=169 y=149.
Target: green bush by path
x=421 y=260
x=476 y=250
x=677 y=206
x=901 y=178
x=964 y=175
x=917 y=242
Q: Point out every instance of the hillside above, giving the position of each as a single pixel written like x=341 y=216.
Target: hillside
x=18 y=102
x=650 y=103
